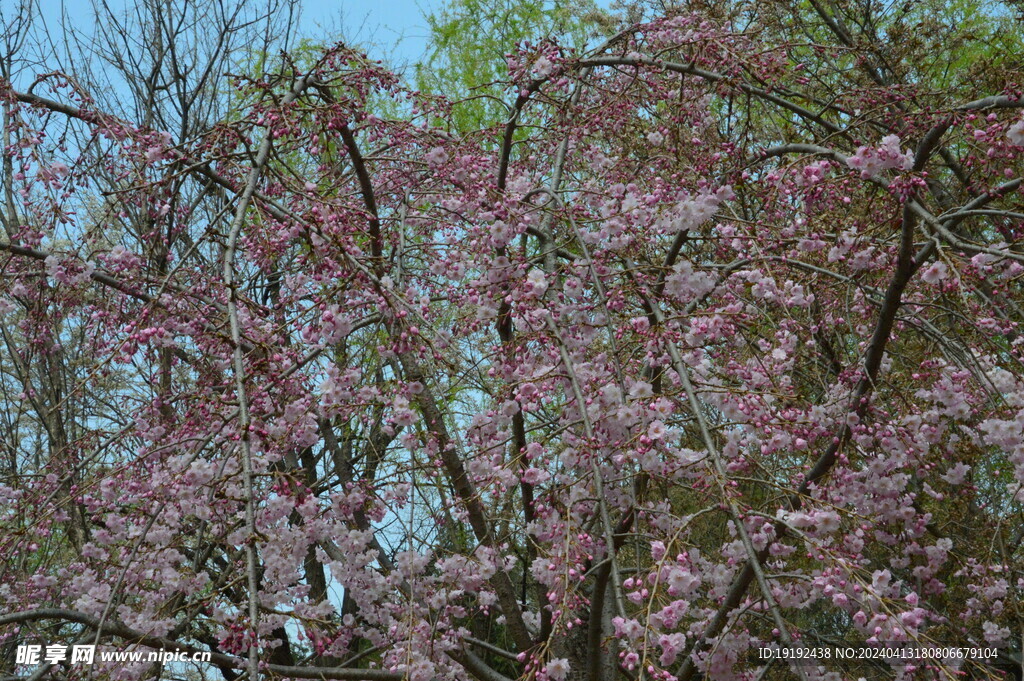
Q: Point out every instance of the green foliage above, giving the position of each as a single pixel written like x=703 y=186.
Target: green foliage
x=470 y=38
x=936 y=45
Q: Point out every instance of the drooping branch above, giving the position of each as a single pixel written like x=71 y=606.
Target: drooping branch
x=238 y=361
x=906 y=265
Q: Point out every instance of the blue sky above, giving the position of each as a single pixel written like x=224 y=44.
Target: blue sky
x=395 y=26
x=392 y=30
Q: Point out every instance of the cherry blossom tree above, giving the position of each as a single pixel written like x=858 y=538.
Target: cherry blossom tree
x=712 y=346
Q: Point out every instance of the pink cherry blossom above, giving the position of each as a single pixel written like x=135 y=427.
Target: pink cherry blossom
x=708 y=341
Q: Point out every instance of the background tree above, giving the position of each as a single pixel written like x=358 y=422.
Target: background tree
x=470 y=41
